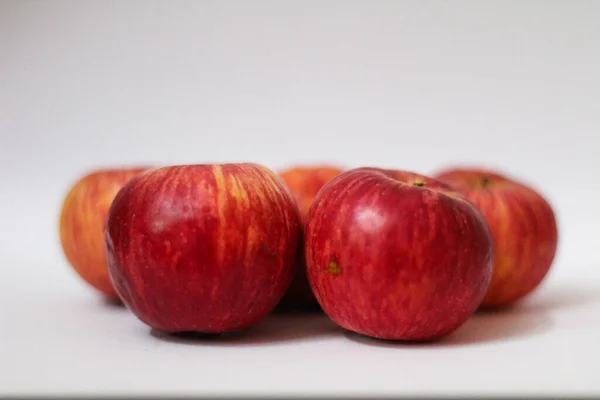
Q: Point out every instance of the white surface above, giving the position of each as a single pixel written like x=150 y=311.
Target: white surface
x=57 y=339
x=414 y=85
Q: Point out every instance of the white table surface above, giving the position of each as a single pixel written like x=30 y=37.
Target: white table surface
x=59 y=338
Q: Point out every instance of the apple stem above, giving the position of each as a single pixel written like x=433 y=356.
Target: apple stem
x=485 y=181
x=419 y=183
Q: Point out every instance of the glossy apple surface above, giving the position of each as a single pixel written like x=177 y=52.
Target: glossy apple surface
x=202 y=248
x=523 y=228
x=396 y=255
x=304 y=182
x=81 y=224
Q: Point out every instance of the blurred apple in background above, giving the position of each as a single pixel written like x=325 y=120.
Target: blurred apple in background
x=523 y=227
x=396 y=255
x=304 y=182
x=202 y=248
x=81 y=224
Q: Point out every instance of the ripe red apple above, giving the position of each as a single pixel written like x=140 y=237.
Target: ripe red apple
x=304 y=182
x=202 y=248
x=396 y=255
x=81 y=224
x=523 y=228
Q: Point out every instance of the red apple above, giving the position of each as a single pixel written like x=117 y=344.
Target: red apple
x=81 y=224
x=202 y=248
x=396 y=255
x=523 y=228
x=304 y=183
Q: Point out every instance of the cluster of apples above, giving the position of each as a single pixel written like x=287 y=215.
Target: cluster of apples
x=385 y=253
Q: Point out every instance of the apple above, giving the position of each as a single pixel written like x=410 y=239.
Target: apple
x=304 y=182
x=205 y=248
x=81 y=224
x=396 y=255
x=523 y=226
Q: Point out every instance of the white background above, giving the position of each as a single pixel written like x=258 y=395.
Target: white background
x=405 y=84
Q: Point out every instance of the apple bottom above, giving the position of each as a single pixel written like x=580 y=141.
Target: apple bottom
x=401 y=301
x=384 y=326
x=197 y=303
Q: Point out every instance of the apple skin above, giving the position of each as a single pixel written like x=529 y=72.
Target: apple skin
x=304 y=182
x=81 y=224
x=393 y=260
x=523 y=226
x=202 y=248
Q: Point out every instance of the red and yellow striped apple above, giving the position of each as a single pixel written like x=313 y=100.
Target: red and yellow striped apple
x=304 y=182
x=202 y=248
x=523 y=226
x=81 y=224
x=396 y=255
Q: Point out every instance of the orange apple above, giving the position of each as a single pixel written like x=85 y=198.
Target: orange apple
x=82 y=218
x=523 y=226
x=304 y=182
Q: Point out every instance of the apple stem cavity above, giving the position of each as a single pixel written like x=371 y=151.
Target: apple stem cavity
x=485 y=181
x=419 y=183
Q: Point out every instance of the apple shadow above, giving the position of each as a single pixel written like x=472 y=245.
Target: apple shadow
x=532 y=316
x=499 y=326
x=558 y=298
x=116 y=304
x=481 y=327
x=274 y=329
x=284 y=309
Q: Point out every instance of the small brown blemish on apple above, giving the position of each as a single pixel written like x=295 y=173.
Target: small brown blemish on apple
x=333 y=268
